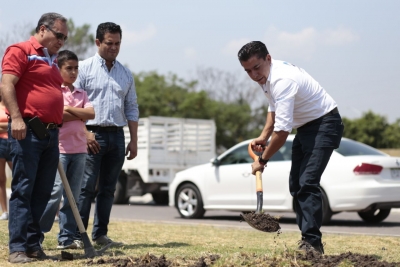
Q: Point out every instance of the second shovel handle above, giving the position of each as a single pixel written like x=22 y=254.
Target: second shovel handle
x=259 y=186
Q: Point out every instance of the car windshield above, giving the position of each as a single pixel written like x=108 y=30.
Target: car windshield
x=240 y=155
x=352 y=148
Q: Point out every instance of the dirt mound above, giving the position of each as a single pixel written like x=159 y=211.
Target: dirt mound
x=334 y=260
x=150 y=260
x=261 y=221
x=300 y=260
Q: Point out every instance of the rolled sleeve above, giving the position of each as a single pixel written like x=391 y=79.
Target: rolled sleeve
x=285 y=93
x=131 y=105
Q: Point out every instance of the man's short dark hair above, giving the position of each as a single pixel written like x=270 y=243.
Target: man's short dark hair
x=48 y=19
x=65 y=55
x=254 y=48
x=109 y=27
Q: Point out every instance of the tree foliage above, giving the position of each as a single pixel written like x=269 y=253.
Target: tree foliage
x=80 y=40
x=160 y=95
x=374 y=130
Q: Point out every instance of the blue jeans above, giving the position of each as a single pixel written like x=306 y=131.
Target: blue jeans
x=312 y=148
x=74 y=166
x=104 y=167
x=34 y=170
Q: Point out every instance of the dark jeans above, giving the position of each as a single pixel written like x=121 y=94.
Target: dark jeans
x=106 y=167
x=34 y=170
x=312 y=148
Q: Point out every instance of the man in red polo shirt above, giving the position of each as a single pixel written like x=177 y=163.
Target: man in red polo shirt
x=31 y=87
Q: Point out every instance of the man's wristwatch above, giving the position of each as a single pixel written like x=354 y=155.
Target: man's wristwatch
x=262 y=161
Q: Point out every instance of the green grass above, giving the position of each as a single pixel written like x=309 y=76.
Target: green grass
x=184 y=244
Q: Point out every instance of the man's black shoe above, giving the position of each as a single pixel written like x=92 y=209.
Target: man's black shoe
x=304 y=245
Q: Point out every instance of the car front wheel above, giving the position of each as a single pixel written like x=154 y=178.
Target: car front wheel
x=374 y=215
x=189 y=202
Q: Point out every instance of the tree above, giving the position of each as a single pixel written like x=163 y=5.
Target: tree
x=241 y=98
x=374 y=130
x=80 y=40
x=160 y=95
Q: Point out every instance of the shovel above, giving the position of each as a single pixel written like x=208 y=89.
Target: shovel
x=259 y=220
x=90 y=252
x=259 y=186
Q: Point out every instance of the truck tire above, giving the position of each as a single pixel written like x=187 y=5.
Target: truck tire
x=160 y=198
x=120 y=196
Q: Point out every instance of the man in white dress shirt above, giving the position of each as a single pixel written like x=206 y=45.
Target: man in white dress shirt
x=296 y=101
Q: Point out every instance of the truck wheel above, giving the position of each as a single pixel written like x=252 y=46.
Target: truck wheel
x=120 y=190
x=188 y=202
x=160 y=198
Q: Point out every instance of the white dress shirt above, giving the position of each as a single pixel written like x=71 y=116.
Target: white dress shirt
x=294 y=96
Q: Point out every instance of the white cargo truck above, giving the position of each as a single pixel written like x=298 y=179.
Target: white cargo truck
x=165 y=146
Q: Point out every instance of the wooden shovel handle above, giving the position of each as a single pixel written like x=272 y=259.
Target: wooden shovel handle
x=251 y=152
x=259 y=187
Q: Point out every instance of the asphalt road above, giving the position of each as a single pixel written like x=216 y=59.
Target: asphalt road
x=143 y=209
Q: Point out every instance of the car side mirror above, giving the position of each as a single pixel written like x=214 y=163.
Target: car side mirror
x=215 y=161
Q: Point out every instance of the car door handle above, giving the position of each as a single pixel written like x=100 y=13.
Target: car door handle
x=246 y=174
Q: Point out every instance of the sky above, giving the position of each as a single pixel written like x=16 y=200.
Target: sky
x=350 y=47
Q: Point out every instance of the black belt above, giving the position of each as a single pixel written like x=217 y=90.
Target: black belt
x=49 y=126
x=96 y=128
x=332 y=112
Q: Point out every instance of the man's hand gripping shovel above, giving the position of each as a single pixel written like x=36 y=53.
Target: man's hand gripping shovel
x=90 y=252
x=258 y=219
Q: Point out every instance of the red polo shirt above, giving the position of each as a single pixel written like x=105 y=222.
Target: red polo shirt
x=38 y=89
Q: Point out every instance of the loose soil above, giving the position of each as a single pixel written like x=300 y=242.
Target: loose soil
x=300 y=260
x=261 y=221
x=353 y=258
x=150 y=260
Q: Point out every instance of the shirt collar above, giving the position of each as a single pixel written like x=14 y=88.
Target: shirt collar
x=270 y=70
x=102 y=60
x=75 y=89
x=35 y=43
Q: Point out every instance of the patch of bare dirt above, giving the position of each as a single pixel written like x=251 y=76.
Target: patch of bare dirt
x=261 y=221
x=353 y=258
x=150 y=260
x=301 y=260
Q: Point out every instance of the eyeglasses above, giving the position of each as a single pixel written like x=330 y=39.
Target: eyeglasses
x=58 y=35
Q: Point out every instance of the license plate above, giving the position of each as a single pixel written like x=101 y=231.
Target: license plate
x=395 y=173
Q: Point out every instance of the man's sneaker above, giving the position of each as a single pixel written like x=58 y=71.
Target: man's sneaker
x=19 y=257
x=4 y=216
x=105 y=240
x=74 y=245
x=306 y=246
x=39 y=255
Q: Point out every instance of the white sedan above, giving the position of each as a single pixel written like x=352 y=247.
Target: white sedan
x=358 y=178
